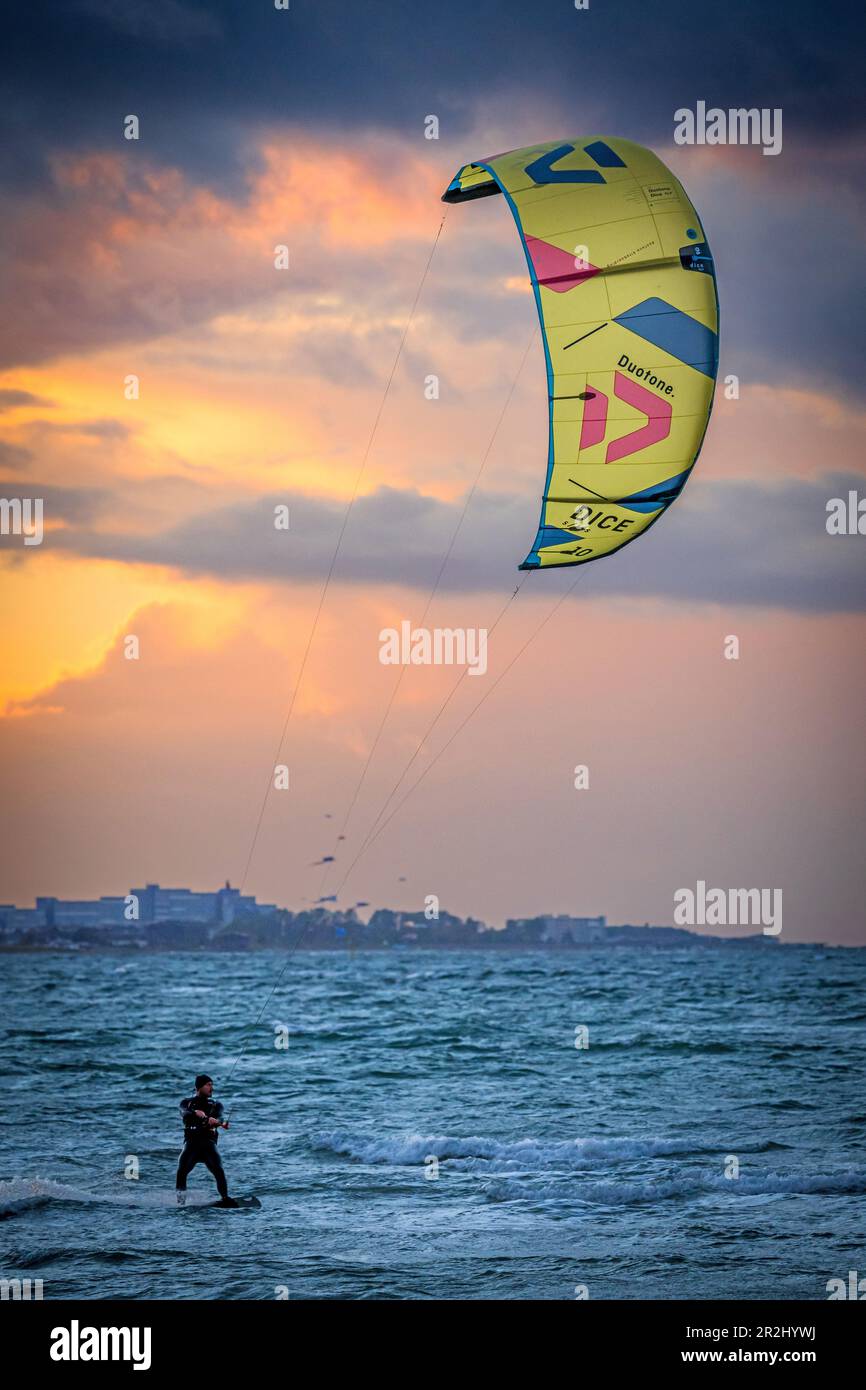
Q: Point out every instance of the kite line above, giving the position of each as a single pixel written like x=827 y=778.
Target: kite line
x=331 y=567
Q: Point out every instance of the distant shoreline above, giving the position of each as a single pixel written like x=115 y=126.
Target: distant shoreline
x=513 y=948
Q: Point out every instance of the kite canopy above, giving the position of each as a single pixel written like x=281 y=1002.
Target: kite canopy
x=626 y=293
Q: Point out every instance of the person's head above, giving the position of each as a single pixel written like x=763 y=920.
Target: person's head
x=204 y=1085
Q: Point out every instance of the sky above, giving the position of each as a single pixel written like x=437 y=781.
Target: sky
x=262 y=387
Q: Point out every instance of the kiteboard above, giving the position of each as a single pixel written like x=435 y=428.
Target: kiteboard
x=245 y=1202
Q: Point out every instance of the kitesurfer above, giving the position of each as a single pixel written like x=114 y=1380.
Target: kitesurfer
x=202 y=1117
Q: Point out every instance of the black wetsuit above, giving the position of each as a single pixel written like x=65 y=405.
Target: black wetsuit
x=200 y=1142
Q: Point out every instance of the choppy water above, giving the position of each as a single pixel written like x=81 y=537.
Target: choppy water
x=556 y=1166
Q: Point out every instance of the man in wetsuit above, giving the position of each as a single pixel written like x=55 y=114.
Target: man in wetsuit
x=202 y=1117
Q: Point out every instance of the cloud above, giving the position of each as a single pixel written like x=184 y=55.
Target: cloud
x=13 y=399
x=722 y=542
x=159 y=21
x=90 y=429
x=784 y=318
x=195 y=69
x=69 y=506
x=121 y=250
x=13 y=456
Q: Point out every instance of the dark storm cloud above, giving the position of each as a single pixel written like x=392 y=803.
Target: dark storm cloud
x=158 y=21
x=199 y=76
x=207 y=79
x=725 y=543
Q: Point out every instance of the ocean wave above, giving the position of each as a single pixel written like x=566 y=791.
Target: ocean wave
x=37 y=1258
x=23 y=1194
x=626 y=1193
x=527 y=1153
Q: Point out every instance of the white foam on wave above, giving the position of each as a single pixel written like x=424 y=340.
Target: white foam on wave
x=16 y=1194
x=686 y=1185
x=525 y=1153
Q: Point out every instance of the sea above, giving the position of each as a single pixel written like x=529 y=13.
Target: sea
x=603 y=1123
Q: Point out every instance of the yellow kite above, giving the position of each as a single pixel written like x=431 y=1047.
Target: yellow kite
x=626 y=294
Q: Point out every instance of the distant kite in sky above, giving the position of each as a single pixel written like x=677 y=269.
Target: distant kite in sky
x=625 y=288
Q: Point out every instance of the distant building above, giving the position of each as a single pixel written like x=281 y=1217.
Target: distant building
x=100 y=912
x=226 y=919
x=580 y=931
x=157 y=904
x=559 y=930
x=178 y=906
x=20 y=919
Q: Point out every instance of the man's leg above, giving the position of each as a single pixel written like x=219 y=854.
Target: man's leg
x=187 y=1161
x=213 y=1161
